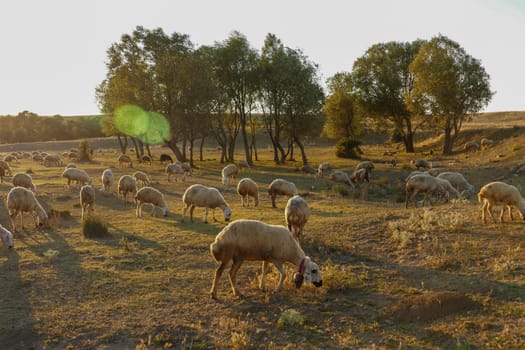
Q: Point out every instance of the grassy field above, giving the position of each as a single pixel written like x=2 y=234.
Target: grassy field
x=392 y=278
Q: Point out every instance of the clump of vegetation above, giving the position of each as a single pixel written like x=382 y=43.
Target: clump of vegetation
x=337 y=278
x=84 y=151
x=341 y=189
x=94 y=227
x=348 y=148
x=290 y=318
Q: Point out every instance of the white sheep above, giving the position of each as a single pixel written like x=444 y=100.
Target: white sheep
x=447 y=188
x=341 y=177
x=24 y=180
x=366 y=164
x=186 y=168
x=243 y=164
x=296 y=215
x=228 y=173
x=52 y=160
x=247 y=188
x=78 y=175
x=124 y=159
x=360 y=176
x=458 y=181
x=127 y=184
x=281 y=187
x=107 y=180
x=421 y=163
x=423 y=183
x=6 y=236
x=21 y=200
x=208 y=197
x=308 y=170
x=323 y=169
x=141 y=178
x=486 y=143
x=71 y=165
x=253 y=240
x=500 y=193
x=176 y=170
x=150 y=195
x=433 y=171
x=471 y=146
x=87 y=199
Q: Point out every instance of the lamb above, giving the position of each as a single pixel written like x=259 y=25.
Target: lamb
x=281 y=187
x=342 y=177
x=323 y=169
x=228 y=173
x=150 y=195
x=77 y=175
x=124 y=159
x=425 y=184
x=308 y=169
x=421 y=163
x=458 y=181
x=165 y=158
x=248 y=188
x=175 y=169
x=24 y=180
x=296 y=215
x=87 y=199
x=486 y=143
x=209 y=197
x=6 y=236
x=20 y=200
x=471 y=146
x=52 y=160
x=5 y=165
x=360 y=176
x=107 y=180
x=500 y=193
x=366 y=164
x=254 y=240
x=127 y=184
x=141 y=178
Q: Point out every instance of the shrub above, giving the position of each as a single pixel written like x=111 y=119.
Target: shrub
x=347 y=148
x=341 y=189
x=94 y=227
x=84 y=151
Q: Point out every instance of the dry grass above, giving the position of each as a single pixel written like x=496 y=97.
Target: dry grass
x=146 y=285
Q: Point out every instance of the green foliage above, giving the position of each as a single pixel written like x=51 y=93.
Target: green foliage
x=347 y=148
x=94 y=227
x=290 y=318
x=342 y=118
x=341 y=189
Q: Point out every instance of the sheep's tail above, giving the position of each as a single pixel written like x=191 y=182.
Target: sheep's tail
x=214 y=251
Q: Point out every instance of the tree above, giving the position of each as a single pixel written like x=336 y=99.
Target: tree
x=382 y=80
x=449 y=86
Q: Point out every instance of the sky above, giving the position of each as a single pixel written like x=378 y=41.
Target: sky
x=53 y=52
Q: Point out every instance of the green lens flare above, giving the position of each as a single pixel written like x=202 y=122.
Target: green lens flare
x=149 y=127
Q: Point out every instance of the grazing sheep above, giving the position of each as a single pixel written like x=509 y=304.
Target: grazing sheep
x=447 y=188
x=471 y=146
x=308 y=170
x=124 y=159
x=360 y=176
x=281 y=187
x=366 y=164
x=21 y=200
x=500 y=193
x=423 y=183
x=6 y=236
x=486 y=143
x=243 y=164
x=145 y=159
x=228 y=173
x=416 y=172
x=77 y=175
x=186 y=168
x=150 y=195
x=107 y=180
x=52 y=160
x=127 y=184
x=24 y=180
x=296 y=215
x=141 y=178
x=176 y=170
x=421 y=163
x=254 y=240
x=458 y=181
x=165 y=158
x=38 y=158
x=4 y=165
x=71 y=165
x=87 y=199
x=433 y=171
x=323 y=169
x=342 y=177
x=248 y=188
x=207 y=197
x=10 y=158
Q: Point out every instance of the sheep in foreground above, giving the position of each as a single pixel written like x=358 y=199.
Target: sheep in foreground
x=21 y=200
x=486 y=143
x=5 y=165
x=107 y=180
x=323 y=169
x=124 y=159
x=248 y=188
x=24 y=180
x=458 y=181
x=500 y=193
x=421 y=164
x=281 y=187
x=341 y=177
x=471 y=146
x=296 y=215
x=423 y=183
x=78 y=175
x=208 y=197
x=127 y=184
x=87 y=199
x=228 y=173
x=174 y=169
x=253 y=240
x=6 y=236
x=141 y=178
x=150 y=195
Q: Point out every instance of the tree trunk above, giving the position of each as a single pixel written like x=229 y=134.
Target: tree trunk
x=303 y=153
x=123 y=144
x=201 y=146
x=447 y=144
x=191 y=153
x=172 y=144
x=408 y=140
x=135 y=144
x=149 y=151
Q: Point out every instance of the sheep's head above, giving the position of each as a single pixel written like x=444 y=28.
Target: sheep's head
x=227 y=213
x=7 y=238
x=309 y=273
x=165 y=211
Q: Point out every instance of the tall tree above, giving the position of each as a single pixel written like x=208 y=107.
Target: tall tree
x=449 y=86
x=383 y=81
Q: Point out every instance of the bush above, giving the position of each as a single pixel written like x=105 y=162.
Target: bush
x=94 y=227
x=341 y=189
x=84 y=151
x=347 y=148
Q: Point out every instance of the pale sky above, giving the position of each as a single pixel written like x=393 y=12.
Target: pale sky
x=53 y=52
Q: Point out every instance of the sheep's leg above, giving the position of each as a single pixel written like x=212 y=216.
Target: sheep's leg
x=510 y=212
x=153 y=209
x=489 y=210
x=12 y=218
x=237 y=262
x=83 y=210
x=213 y=215
x=407 y=196
x=282 y=276
x=138 y=212
x=273 y=201
x=483 y=210
x=263 y=275
x=184 y=212
x=218 y=274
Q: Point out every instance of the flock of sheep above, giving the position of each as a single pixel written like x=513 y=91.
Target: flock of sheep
x=244 y=240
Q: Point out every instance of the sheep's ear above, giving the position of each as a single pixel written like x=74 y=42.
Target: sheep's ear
x=298 y=279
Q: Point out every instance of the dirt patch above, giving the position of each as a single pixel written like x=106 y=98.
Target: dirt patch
x=428 y=306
